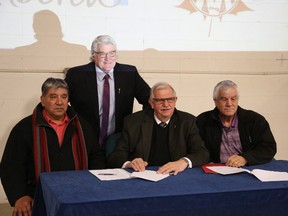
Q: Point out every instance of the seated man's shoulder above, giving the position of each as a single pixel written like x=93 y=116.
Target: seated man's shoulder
x=251 y=115
x=22 y=128
x=24 y=121
x=136 y=115
x=205 y=116
x=139 y=116
x=185 y=115
x=125 y=67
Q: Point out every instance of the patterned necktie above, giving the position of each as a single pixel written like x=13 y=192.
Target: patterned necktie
x=105 y=111
x=163 y=124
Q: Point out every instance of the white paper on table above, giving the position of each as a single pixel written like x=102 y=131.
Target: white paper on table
x=226 y=170
x=149 y=175
x=111 y=174
x=262 y=175
x=266 y=176
x=118 y=174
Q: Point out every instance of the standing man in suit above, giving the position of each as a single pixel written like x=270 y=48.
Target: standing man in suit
x=86 y=84
x=162 y=136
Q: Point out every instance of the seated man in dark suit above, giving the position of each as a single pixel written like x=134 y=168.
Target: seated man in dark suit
x=162 y=136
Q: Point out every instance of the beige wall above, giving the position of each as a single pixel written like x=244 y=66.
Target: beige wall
x=262 y=79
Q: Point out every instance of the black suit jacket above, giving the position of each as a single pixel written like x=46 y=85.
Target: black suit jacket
x=83 y=93
x=136 y=139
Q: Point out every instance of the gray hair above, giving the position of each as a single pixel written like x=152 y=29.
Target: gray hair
x=160 y=86
x=54 y=83
x=101 y=39
x=224 y=85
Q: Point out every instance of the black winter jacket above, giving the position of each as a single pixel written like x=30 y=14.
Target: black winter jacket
x=258 y=143
x=17 y=164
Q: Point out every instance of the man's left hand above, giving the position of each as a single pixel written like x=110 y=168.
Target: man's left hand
x=173 y=167
x=236 y=161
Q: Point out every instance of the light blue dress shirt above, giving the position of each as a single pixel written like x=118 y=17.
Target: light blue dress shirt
x=100 y=82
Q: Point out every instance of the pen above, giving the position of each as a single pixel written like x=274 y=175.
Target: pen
x=106 y=174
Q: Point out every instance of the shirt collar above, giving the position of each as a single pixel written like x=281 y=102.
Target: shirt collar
x=100 y=73
x=234 y=122
x=49 y=120
x=158 y=121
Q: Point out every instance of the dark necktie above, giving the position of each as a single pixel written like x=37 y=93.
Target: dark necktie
x=163 y=124
x=105 y=111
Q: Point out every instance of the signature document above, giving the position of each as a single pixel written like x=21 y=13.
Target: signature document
x=262 y=175
x=117 y=174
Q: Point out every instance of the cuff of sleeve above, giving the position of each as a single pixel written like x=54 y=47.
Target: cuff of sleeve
x=189 y=163
x=124 y=165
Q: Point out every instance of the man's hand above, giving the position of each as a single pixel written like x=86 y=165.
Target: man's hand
x=236 y=161
x=138 y=164
x=23 y=206
x=173 y=167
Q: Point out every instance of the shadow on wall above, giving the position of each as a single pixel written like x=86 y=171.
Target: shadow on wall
x=49 y=52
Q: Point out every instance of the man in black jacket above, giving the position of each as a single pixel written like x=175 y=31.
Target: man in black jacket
x=235 y=136
x=53 y=138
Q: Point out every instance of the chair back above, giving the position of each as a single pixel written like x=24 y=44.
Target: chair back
x=111 y=143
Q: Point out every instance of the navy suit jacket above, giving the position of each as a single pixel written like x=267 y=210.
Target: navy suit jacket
x=136 y=139
x=83 y=93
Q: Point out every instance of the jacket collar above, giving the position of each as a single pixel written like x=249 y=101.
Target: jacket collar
x=215 y=113
x=40 y=120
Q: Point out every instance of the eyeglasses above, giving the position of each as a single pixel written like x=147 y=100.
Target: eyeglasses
x=162 y=100
x=108 y=54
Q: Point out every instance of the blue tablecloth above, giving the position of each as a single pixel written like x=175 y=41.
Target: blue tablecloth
x=191 y=192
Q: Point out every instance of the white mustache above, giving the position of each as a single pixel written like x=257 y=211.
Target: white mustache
x=166 y=108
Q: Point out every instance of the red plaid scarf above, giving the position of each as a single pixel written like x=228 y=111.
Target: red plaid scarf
x=41 y=150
